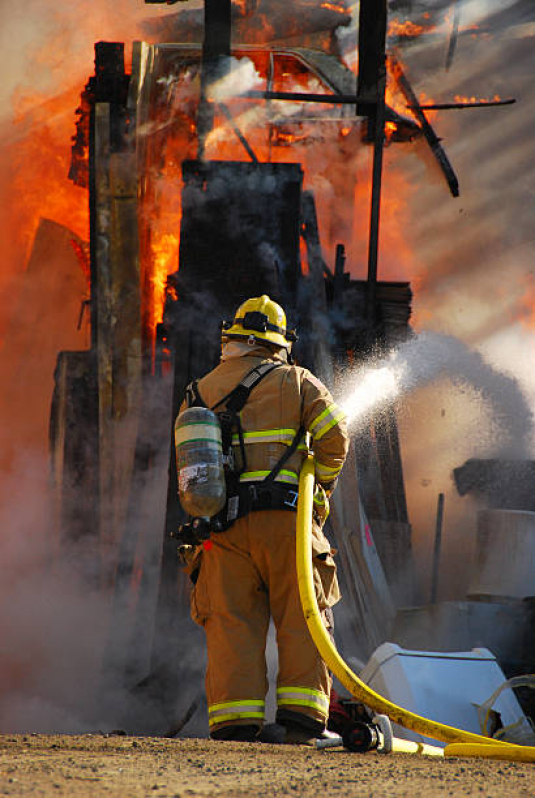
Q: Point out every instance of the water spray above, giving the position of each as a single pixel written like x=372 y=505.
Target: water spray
x=423 y=359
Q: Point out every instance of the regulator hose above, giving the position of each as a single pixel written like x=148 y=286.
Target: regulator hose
x=325 y=646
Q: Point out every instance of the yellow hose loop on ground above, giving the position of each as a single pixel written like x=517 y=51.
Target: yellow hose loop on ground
x=326 y=648
x=510 y=753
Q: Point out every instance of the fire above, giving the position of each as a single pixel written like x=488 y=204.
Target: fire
x=338 y=7
x=390 y=129
x=34 y=164
x=331 y=156
x=165 y=259
x=38 y=123
x=461 y=99
x=81 y=250
x=404 y=29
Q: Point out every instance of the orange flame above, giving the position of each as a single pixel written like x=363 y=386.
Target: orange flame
x=39 y=160
x=164 y=248
x=406 y=28
x=461 y=99
x=340 y=9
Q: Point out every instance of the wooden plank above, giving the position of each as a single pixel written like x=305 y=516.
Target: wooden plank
x=73 y=420
x=216 y=49
x=372 y=36
x=319 y=321
x=103 y=320
x=144 y=57
x=125 y=342
x=430 y=135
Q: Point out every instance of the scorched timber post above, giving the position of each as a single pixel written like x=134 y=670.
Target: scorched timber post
x=215 y=55
x=372 y=85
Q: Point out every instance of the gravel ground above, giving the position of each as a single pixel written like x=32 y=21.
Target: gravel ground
x=131 y=767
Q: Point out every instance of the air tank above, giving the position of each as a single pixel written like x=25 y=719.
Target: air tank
x=199 y=460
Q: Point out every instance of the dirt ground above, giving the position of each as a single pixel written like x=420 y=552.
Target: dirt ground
x=130 y=767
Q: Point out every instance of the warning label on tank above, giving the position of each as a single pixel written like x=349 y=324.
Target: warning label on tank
x=196 y=475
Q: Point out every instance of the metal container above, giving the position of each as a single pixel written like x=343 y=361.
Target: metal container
x=199 y=460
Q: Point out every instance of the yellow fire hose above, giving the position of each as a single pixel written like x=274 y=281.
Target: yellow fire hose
x=462 y=743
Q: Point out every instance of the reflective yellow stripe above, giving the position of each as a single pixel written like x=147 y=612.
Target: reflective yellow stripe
x=235 y=716
x=327 y=469
x=237 y=706
x=303 y=690
x=236 y=710
x=301 y=702
x=325 y=473
x=283 y=476
x=326 y=421
x=319 y=418
x=303 y=696
x=285 y=436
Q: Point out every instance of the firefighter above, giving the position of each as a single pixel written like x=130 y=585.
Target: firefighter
x=247 y=573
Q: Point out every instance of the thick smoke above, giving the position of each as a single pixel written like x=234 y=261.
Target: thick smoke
x=53 y=621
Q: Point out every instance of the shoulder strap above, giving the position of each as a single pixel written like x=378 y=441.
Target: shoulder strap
x=237 y=398
x=193 y=396
x=285 y=457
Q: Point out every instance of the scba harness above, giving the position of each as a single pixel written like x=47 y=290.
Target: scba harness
x=241 y=499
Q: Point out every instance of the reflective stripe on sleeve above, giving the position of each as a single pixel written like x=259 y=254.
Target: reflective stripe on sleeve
x=331 y=416
x=289 y=477
x=236 y=710
x=303 y=697
x=326 y=473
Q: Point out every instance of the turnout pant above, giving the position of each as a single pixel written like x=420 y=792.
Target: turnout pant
x=248 y=576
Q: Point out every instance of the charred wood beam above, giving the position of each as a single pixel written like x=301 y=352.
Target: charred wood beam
x=372 y=39
x=311 y=237
x=215 y=55
x=437 y=547
x=430 y=135
x=372 y=82
x=477 y=104
x=330 y=99
x=452 y=44
x=339 y=270
x=239 y=135
x=306 y=97
x=375 y=204
x=217 y=28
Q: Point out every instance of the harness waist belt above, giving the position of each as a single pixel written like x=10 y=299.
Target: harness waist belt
x=268 y=497
x=255 y=496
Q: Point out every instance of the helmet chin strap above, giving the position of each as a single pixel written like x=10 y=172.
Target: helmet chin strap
x=230 y=347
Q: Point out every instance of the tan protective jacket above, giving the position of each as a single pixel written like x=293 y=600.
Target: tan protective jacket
x=284 y=400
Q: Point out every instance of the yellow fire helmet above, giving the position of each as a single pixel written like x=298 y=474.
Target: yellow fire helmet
x=262 y=319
